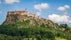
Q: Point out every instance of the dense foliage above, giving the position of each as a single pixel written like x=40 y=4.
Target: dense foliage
x=23 y=31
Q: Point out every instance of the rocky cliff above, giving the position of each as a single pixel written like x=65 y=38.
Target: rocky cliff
x=13 y=16
x=22 y=15
x=20 y=25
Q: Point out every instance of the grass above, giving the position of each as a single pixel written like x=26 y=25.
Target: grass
x=58 y=38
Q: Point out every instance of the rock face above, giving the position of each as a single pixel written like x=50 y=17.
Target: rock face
x=20 y=15
x=13 y=16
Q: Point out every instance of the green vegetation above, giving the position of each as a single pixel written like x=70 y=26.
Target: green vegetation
x=24 y=31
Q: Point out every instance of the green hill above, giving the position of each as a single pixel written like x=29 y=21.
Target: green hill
x=25 y=31
x=19 y=26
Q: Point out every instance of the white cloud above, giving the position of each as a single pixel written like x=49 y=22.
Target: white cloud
x=41 y=6
x=59 y=18
x=63 y=8
x=38 y=13
x=11 y=1
x=67 y=6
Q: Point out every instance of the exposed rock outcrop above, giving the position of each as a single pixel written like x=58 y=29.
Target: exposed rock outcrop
x=20 y=15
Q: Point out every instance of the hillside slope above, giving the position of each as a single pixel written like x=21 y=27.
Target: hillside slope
x=33 y=28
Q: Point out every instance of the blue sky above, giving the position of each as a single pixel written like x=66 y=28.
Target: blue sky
x=49 y=9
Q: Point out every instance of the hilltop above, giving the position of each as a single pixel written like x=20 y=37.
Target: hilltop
x=23 y=15
x=19 y=15
x=21 y=25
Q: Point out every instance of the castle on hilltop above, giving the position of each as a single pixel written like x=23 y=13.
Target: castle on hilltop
x=23 y=15
x=19 y=15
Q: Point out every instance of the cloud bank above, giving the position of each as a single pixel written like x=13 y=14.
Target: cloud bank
x=41 y=6
x=63 y=8
x=59 y=18
x=11 y=1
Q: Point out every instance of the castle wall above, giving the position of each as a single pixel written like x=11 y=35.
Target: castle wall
x=13 y=16
x=24 y=12
x=18 y=15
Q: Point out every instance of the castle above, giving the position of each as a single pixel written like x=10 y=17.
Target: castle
x=19 y=15
x=22 y=15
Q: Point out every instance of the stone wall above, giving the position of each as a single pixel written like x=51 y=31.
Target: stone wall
x=20 y=15
x=13 y=16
